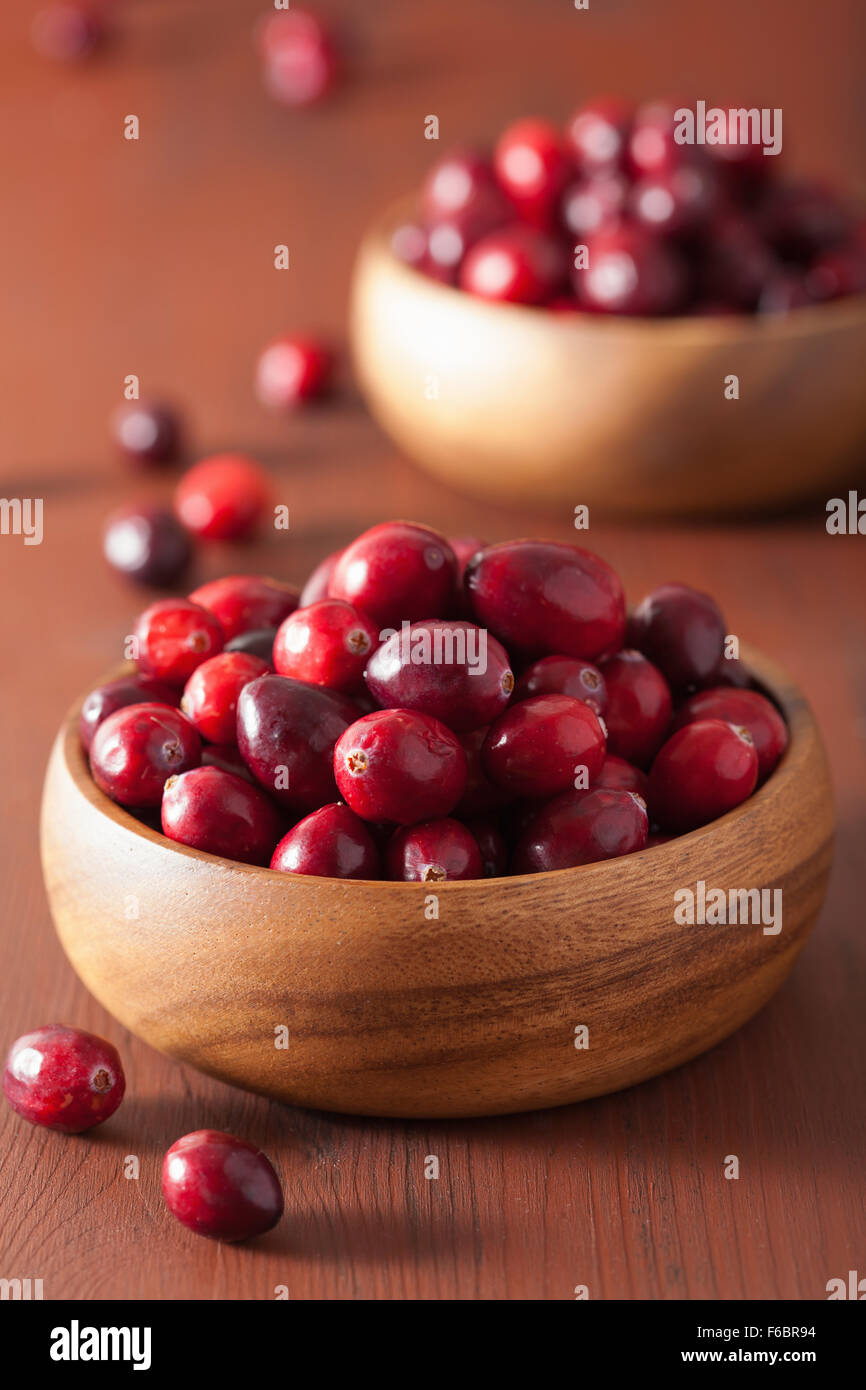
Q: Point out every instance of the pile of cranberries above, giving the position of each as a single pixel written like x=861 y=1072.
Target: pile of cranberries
x=428 y=710
x=612 y=216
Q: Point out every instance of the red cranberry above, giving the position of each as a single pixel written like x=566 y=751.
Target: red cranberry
x=455 y=183
x=221 y=1186
x=435 y=852
x=582 y=828
x=598 y=134
x=837 y=274
x=676 y=202
x=220 y=813
x=222 y=498
x=147 y=432
x=737 y=263
x=491 y=844
x=126 y=690
x=639 y=707
x=517 y=265
x=536 y=748
x=618 y=775
x=258 y=642
x=681 y=631
x=744 y=165
x=301 y=62
x=293 y=370
x=210 y=697
x=396 y=572
x=174 y=636
x=316 y=587
x=531 y=165
x=465 y=547
x=225 y=756
x=480 y=794
x=135 y=749
x=245 y=602
x=802 y=219
x=330 y=843
x=400 y=766
x=785 y=290
x=741 y=707
x=544 y=598
x=328 y=644
x=593 y=204
x=704 y=770
x=630 y=271
x=450 y=669
x=652 y=147
x=68 y=33
x=147 y=544
x=63 y=1078
x=409 y=244
x=563 y=675
x=449 y=239
x=286 y=734
x=730 y=671
x=657 y=837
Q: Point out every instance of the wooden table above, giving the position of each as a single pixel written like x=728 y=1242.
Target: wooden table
x=156 y=258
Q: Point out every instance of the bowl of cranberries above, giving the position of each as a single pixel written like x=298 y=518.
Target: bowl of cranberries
x=415 y=839
x=595 y=313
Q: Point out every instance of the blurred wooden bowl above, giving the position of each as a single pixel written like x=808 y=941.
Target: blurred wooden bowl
x=521 y=405
x=391 y=1012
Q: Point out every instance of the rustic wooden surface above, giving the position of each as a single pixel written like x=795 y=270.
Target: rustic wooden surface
x=155 y=258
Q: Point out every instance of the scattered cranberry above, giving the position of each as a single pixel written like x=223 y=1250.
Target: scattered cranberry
x=301 y=63
x=173 y=636
x=539 y=747
x=147 y=544
x=327 y=644
x=222 y=498
x=210 y=697
x=563 y=675
x=594 y=204
x=245 y=602
x=491 y=844
x=400 y=766
x=746 y=708
x=681 y=631
x=137 y=748
x=147 y=432
x=704 y=770
x=434 y=852
x=639 y=705
x=293 y=370
x=63 y=1078
x=258 y=642
x=450 y=669
x=221 y=1186
x=316 y=587
x=68 y=33
x=598 y=135
x=396 y=572
x=220 y=813
x=516 y=265
x=629 y=271
x=286 y=735
x=330 y=843
x=117 y=694
x=582 y=828
x=618 y=775
x=531 y=165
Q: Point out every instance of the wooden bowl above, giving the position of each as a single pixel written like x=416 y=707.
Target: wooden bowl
x=521 y=405
x=390 y=1012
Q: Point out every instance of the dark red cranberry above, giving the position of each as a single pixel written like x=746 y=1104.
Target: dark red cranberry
x=409 y=244
x=437 y=851
x=244 y=602
x=532 y=167
x=455 y=183
x=783 y=291
x=539 y=747
x=316 y=587
x=300 y=59
x=639 y=706
x=492 y=845
x=652 y=145
x=449 y=239
x=582 y=828
x=741 y=707
x=147 y=432
x=657 y=837
x=464 y=548
x=126 y=690
x=516 y=265
x=225 y=756
x=737 y=264
x=544 y=598
x=563 y=675
x=147 y=544
x=63 y=1078
x=630 y=271
x=618 y=775
x=68 y=32
x=327 y=644
x=400 y=766
x=837 y=274
x=220 y=813
x=259 y=642
x=453 y=670
x=480 y=794
x=221 y=1186
x=173 y=636
x=743 y=165
x=293 y=370
x=135 y=749
x=396 y=572
x=704 y=770
x=330 y=843
x=593 y=204
x=286 y=735
x=802 y=219
x=210 y=697
x=730 y=671
x=598 y=134
x=676 y=202
x=681 y=631
x=222 y=498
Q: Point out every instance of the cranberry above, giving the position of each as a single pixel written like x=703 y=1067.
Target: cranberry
x=210 y=697
x=326 y=644
x=516 y=265
x=598 y=134
x=330 y=843
x=704 y=770
x=639 y=707
x=135 y=749
x=435 y=852
x=68 y=33
x=618 y=775
x=286 y=735
x=652 y=147
x=544 y=598
x=301 y=62
x=491 y=844
x=450 y=669
x=245 y=602
x=225 y=756
x=173 y=636
x=455 y=183
x=147 y=432
x=258 y=642
x=293 y=370
x=836 y=274
x=223 y=497
x=147 y=544
x=730 y=671
x=400 y=766
x=785 y=290
x=737 y=263
x=449 y=239
x=630 y=271
x=657 y=837
x=221 y=1186
x=536 y=748
x=464 y=547
x=744 y=165
x=676 y=202
x=531 y=165
x=316 y=587
x=396 y=572
x=126 y=690
x=63 y=1078
x=802 y=219
x=593 y=204
x=480 y=794
x=563 y=675
x=741 y=707
x=582 y=828
x=220 y=813
x=681 y=631
x=409 y=244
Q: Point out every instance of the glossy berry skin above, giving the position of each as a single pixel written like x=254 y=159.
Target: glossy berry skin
x=440 y=667
x=258 y=642
x=327 y=644
x=536 y=748
x=582 y=828
x=597 y=135
x=400 y=766
x=286 y=734
x=480 y=795
x=210 y=697
x=747 y=708
x=563 y=675
x=222 y=498
x=137 y=748
x=126 y=690
x=396 y=572
x=618 y=775
x=147 y=432
x=730 y=671
x=63 y=1078
x=244 y=602
x=593 y=204
x=677 y=202
x=543 y=598
x=174 y=636
x=330 y=843
x=449 y=238
x=300 y=59
x=704 y=770
x=630 y=271
x=639 y=707
x=147 y=544
x=516 y=265
x=652 y=147
x=221 y=1186
x=455 y=183
x=681 y=631
x=293 y=370
x=316 y=586
x=491 y=844
x=220 y=813
x=226 y=757
x=532 y=167
x=436 y=851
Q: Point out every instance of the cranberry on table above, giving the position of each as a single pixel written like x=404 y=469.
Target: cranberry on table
x=563 y=675
x=516 y=265
x=147 y=544
x=436 y=851
x=582 y=828
x=400 y=766
x=747 y=708
x=147 y=432
x=63 y=1078
x=68 y=32
x=220 y=813
x=538 y=748
x=444 y=667
x=222 y=498
x=480 y=795
x=592 y=204
x=286 y=734
x=221 y=1186
x=491 y=844
x=245 y=602
x=173 y=636
x=598 y=135
x=704 y=770
x=300 y=59
x=639 y=706
x=681 y=631
x=116 y=694
x=618 y=775
x=210 y=697
x=327 y=644
x=532 y=166
x=316 y=586
x=396 y=572
x=259 y=641
x=630 y=271
x=292 y=370
x=137 y=748
x=329 y=843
